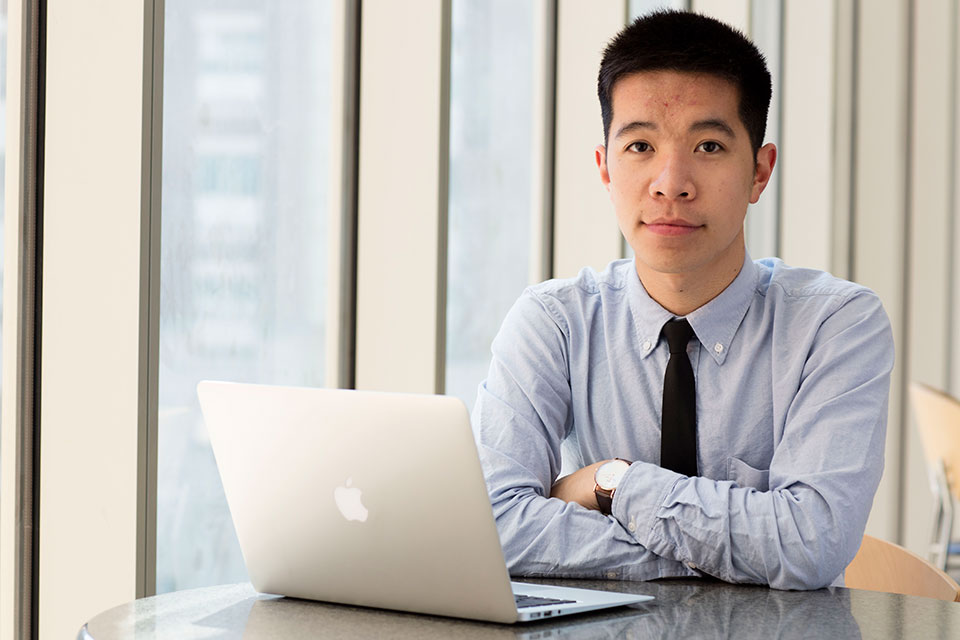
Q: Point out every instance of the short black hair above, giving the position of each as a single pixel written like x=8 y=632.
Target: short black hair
x=691 y=43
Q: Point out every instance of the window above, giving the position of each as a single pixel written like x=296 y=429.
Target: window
x=244 y=236
x=490 y=207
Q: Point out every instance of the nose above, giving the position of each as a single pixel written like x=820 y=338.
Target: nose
x=673 y=181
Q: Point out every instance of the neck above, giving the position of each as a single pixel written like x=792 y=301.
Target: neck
x=682 y=293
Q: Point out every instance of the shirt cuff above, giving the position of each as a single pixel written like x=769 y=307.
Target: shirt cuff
x=642 y=491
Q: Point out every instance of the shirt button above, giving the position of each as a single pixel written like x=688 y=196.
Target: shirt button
x=646 y=345
x=691 y=565
x=718 y=348
x=632 y=526
x=612 y=575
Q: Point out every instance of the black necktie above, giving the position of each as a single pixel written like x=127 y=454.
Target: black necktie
x=678 y=424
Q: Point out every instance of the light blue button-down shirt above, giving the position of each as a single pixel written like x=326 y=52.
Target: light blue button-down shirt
x=792 y=371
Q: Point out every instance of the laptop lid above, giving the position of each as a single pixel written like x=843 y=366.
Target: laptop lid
x=366 y=498
x=356 y=497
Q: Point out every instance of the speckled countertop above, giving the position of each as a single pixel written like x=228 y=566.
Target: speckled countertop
x=682 y=609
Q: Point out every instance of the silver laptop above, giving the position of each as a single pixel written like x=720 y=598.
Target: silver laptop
x=371 y=499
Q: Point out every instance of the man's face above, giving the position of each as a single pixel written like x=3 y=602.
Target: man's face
x=680 y=171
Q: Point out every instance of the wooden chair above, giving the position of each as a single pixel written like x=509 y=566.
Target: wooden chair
x=884 y=566
x=938 y=421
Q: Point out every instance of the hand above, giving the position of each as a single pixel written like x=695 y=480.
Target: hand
x=578 y=487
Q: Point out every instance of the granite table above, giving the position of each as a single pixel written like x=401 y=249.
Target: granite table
x=683 y=608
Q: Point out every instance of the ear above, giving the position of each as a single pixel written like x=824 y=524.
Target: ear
x=766 y=159
x=601 y=157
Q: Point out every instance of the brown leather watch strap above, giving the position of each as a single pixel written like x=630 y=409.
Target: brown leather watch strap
x=604 y=500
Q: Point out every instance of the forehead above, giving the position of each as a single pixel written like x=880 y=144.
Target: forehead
x=665 y=95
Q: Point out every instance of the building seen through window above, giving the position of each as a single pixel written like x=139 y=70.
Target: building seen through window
x=491 y=221
x=244 y=233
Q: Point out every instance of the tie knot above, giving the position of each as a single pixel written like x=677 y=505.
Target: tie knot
x=678 y=333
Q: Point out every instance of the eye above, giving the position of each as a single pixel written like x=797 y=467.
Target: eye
x=639 y=147
x=709 y=147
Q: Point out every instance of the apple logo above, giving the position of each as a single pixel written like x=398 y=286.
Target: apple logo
x=348 y=502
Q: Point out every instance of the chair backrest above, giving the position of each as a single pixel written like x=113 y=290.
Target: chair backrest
x=883 y=566
x=938 y=421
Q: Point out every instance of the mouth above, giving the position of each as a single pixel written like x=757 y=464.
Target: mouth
x=671 y=226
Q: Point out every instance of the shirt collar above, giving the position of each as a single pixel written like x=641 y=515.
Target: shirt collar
x=715 y=323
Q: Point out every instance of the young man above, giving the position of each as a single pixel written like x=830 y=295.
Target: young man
x=727 y=416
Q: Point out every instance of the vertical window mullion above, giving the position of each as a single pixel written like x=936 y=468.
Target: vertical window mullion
x=543 y=139
x=401 y=271
x=18 y=487
x=809 y=115
x=342 y=237
x=880 y=203
x=763 y=219
x=929 y=239
x=150 y=298
x=93 y=427
x=585 y=227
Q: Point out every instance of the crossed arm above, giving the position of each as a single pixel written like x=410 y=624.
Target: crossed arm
x=799 y=534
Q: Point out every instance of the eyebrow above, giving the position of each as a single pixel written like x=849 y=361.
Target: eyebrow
x=633 y=126
x=711 y=124
x=714 y=124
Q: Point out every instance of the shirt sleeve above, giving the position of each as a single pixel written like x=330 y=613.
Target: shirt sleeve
x=826 y=466
x=520 y=420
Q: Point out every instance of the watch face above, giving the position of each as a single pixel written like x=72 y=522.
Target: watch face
x=608 y=476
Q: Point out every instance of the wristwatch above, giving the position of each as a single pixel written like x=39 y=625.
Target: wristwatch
x=608 y=478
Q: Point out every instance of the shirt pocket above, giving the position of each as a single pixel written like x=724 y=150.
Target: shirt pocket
x=746 y=476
